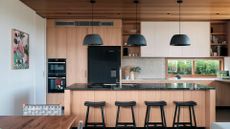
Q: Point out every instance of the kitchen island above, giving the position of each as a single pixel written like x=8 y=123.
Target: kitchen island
x=77 y=94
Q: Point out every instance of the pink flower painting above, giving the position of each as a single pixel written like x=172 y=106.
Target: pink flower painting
x=20 y=49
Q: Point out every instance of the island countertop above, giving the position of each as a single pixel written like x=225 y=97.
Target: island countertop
x=140 y=86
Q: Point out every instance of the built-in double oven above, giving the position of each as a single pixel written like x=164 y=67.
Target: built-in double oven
x=56 y=75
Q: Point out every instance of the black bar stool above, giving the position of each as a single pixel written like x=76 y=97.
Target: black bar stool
x=126 y=104
x=190 y=105
x=151 y=104
x=100 y=105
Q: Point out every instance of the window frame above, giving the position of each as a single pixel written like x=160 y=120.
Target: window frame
x=193 y=75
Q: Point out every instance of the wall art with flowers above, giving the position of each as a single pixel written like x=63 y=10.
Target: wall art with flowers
x=20 y=49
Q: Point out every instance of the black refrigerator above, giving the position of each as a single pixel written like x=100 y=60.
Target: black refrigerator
x=103 y=64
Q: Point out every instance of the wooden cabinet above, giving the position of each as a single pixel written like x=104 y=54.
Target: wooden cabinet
x=67 y=42
x=110 y=36
x=55 y=98
x=76 y=55
x=56 y=42
x=74 y=104
x=159 y=34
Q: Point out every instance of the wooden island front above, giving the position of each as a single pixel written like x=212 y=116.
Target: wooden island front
x=77 y=94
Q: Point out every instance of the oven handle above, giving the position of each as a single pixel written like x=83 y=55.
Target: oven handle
x=56 y=62
x=56 y=77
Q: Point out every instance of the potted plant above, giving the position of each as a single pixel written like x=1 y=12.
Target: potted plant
x=134 y=70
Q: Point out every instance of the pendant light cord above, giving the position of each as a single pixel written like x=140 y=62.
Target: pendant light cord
x=92 y=14
x=136 y=2
x=179 y=2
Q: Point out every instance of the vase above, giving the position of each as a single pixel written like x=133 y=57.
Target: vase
x=132 y=75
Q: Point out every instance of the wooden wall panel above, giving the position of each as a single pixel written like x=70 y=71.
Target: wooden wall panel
x=76 y=56
x=201 y=97
x=148 y=96
x=55 y=98
x=125 y=113
x=51 y=49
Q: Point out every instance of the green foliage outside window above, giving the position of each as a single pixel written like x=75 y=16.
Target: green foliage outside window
x=204 y=67
x=182 y=67
x=207 y=67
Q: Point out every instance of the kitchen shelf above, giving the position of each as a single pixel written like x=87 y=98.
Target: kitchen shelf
x=218 y=33
x=215 y=44
x=129 y=28
x=219 y=37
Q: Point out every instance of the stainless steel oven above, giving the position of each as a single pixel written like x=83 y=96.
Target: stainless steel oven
x=56 y=75
x=56 y=84
x=56 y=67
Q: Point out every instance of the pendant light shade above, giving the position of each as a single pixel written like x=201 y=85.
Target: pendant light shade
x=92 y=39
x=180 y=39
x=136 y=39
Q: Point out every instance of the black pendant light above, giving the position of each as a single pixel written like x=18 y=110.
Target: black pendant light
x=136 y=39
x=92 y=39
x=180 y=39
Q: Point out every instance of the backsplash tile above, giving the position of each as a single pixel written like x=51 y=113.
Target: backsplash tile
x=150 y=67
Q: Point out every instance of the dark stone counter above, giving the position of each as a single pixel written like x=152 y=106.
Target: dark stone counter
x=140 y=86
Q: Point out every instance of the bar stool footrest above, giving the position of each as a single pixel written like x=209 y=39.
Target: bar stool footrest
x=154 y=123
x=125 y=124
x=95 y=124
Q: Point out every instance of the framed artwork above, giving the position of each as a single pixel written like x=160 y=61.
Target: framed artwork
x=20 y=50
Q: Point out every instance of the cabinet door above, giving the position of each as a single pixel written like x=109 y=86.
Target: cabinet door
x=77 y=56
x=56 y=42
x=61 y=42
x=51 y=49
x=199 y=34
x=159 y=34
x=111 y=36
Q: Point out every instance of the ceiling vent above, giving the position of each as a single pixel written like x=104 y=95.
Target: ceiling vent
x=83 y=23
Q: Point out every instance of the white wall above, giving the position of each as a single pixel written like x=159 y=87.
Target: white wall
x=21 y=86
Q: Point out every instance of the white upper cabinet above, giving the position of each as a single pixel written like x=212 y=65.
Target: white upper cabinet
x=159 y=34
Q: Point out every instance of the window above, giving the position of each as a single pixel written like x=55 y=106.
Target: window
x=182 y=67
x=207 y=67
x=194 y=67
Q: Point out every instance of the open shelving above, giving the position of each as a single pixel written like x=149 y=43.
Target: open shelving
x=219 y=39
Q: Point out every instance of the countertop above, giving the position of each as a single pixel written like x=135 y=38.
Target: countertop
x=170 y=80
x=140 y=86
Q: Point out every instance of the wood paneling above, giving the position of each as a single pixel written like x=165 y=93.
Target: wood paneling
x=55 y=98
x=76 y=56
x=56 y=42
x=222 y=93
x=210 y=106
x=125 y=9
x=204 y=110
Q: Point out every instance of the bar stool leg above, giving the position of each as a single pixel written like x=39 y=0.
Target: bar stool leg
x=103 y=119
x=134 y=122
x=146 y=116
x=87 y=116
x=174 y=118
x=194 y=116
x=178 y=117
x=163 y=117
x=190 y=115
x=165 y=125
x=117 y=119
